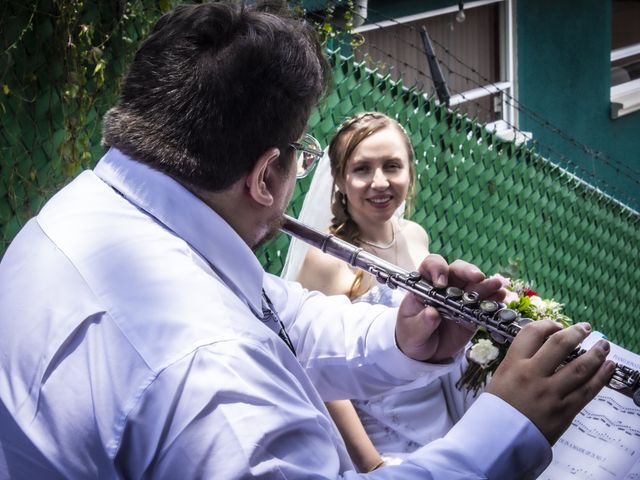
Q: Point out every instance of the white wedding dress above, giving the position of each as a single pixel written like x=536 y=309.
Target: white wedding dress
x=400 y=421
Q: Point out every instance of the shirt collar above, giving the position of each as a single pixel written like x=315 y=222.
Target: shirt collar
x=189 y=218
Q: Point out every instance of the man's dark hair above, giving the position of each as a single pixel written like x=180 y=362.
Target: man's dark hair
x=213 y=87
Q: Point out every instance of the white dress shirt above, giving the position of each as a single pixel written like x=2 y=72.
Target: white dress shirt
x=132 y=346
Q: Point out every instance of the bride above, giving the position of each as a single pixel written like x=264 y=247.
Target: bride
x=369 y=175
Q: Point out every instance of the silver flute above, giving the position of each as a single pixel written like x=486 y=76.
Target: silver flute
x=452 y=303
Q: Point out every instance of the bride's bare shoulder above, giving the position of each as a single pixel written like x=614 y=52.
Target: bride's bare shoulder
x=413 y=232
x=325 y=273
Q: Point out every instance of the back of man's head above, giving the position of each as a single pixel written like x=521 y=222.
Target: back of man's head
x=213 y=87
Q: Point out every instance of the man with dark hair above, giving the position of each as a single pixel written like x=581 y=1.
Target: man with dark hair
x=212 y=88
x=141 y=338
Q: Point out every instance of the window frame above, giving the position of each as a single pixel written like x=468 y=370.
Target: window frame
x=625 y=97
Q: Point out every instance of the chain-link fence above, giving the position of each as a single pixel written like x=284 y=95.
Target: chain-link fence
x=498 y=205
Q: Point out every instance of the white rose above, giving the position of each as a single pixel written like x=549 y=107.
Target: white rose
x=536 y=301
x=483 y=352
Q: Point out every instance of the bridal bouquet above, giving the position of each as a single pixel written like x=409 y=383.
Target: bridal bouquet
x=485 y=353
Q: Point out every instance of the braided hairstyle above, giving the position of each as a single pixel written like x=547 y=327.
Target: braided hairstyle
x=347 y=138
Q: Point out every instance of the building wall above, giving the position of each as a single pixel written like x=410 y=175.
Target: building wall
x=564 y=76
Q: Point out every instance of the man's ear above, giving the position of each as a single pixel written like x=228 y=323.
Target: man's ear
x=260 y=180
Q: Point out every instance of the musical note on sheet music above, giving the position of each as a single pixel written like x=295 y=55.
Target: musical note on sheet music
x=572 y=472
x=606 y=398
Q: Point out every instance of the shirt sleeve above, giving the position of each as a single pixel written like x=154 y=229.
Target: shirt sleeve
x=349 y=350
x=234 y=411
x=493 y=440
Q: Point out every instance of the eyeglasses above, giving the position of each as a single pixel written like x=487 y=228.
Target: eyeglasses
x=309 y=153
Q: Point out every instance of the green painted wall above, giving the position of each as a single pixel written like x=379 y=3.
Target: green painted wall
x=564 y=75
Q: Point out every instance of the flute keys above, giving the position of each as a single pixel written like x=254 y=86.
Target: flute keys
x=454 y=293
x=489 y=306
x=514 y=327
x=506 y=315
x=413 y=278
x=469 y=298
x=501 y=339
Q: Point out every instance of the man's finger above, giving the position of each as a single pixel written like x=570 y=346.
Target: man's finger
x=411 y=305
x=435 y=270
x=490 y=288
x=581 y=370
x=531 y=338
x=415 y=333
x=463 y=273
x=584 y=394
x=559 y=345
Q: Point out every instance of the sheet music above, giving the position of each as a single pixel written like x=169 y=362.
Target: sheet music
x=603 y=441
